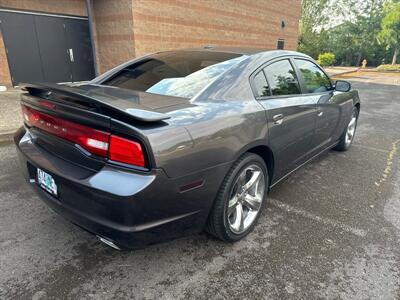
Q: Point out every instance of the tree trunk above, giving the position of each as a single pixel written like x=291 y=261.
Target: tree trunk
x=358 y=62
x=348 y=59
x=396 y=52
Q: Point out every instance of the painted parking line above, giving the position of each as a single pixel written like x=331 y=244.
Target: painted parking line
x=389 y=161
x=323 y=220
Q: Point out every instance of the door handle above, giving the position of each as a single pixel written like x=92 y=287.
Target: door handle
x=278 y=119
x=71 y=54
x=320 y=114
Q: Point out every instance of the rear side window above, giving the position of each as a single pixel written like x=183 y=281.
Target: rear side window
x=282 y=78
x=175 y=73
x=315 y=80
x=261 y=85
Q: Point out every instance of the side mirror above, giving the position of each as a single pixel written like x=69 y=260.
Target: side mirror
x=342 y=86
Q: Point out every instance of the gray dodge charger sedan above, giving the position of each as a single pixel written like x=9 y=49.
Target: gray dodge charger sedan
x=179 y=141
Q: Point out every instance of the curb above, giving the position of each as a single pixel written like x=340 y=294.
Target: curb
x=380 y=71
x=345 y=72
x=7 y=136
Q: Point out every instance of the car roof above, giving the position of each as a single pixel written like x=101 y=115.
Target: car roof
x=243 y=50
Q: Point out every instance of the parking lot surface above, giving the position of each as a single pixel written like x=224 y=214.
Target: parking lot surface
x=331 y=230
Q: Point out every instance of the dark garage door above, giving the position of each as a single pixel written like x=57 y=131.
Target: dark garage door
x=47 y=48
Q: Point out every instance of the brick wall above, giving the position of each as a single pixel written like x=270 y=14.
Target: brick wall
x=113 y=32
x=241 y=23
x=170 y=24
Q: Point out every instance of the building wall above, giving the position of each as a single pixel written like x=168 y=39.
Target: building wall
x=241 y=23
x=113 y=35
x=68 y=7
x=170 y=24
x=125 y=29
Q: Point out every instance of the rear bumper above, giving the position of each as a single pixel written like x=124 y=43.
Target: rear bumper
x=129 y=208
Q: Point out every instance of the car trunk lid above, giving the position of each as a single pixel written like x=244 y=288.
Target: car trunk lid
x=117 y=112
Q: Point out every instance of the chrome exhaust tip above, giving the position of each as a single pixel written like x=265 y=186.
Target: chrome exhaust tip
x=108 y=242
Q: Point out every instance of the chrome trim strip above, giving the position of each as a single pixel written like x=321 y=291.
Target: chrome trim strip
x=108 y=242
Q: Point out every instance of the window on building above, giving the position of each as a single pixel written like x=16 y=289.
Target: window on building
x=175 y=73
x=315 y=80
x=280 y=44
x=282 y=78
x=261 y=85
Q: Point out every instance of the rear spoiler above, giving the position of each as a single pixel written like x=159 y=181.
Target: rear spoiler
x=125 y=106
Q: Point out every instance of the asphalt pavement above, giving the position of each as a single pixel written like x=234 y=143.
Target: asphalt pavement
x=331 y=231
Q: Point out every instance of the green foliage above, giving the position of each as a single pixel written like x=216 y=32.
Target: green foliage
x=389 y=68
x=313 y=15
x=326 y=59
x=347 y=28
x=390 y=29
x=285 y=85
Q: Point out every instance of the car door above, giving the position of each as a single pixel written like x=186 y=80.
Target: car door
x=317 y=86
x=79 y=49
x=290 y=114
x=50 y=33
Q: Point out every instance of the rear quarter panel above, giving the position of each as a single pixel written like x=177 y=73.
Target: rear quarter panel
x=210 y=134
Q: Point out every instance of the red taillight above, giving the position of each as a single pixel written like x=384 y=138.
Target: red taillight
x=47 y=104
x=126 y=151
x=94 y=141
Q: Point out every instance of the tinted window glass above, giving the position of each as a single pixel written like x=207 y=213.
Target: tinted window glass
x=282 y=78
x=261 y=85
x=315 y=80
x=179 y=73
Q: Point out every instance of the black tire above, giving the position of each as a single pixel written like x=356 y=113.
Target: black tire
x=217 y=223
x=342 y=145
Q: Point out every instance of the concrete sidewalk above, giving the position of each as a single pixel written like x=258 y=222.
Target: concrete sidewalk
x=334 y=71
x=10 y=114
x=388 y=78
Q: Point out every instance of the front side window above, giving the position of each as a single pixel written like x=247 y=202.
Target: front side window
x=315 y=80
x=282 y=78
x=175 y=73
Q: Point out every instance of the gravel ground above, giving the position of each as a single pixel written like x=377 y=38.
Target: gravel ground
x=331 y=230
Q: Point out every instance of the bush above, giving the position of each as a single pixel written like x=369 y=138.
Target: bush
x=326 y=59
x=389 y=68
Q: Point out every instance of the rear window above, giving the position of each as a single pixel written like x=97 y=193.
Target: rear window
x=180 y=73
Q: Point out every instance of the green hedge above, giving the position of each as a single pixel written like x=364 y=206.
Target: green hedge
x=326 y=59
x=389 y=68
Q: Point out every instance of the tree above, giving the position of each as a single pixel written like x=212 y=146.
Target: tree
x=313 y=18
x=343 y=42
x=347 y=28
x=390 y=29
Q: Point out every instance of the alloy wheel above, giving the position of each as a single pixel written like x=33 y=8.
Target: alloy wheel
x=351 y=129
x=246 y=198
